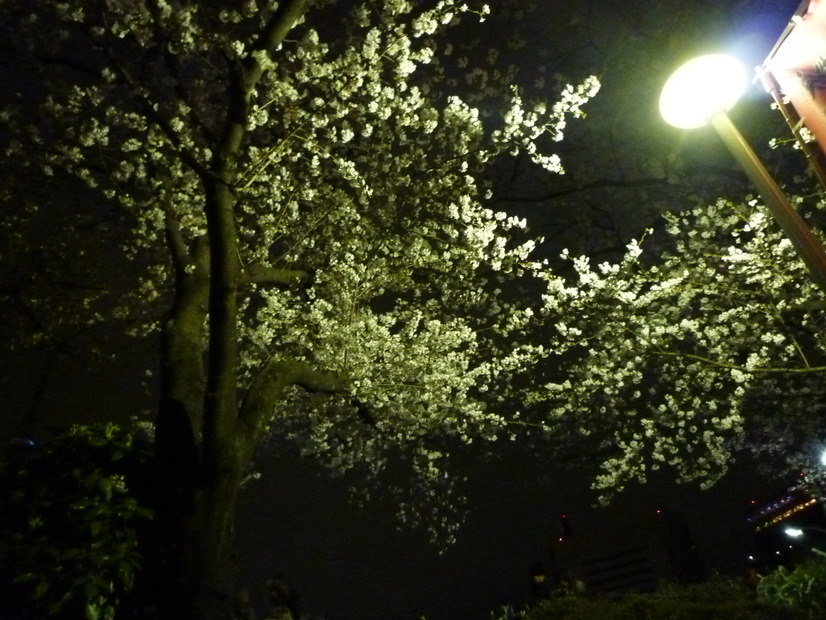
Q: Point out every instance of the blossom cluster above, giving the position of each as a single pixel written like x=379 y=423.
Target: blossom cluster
x=681 y=357
x=349 y=159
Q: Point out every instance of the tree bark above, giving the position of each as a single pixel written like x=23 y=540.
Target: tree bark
x=199 y=411
x=177 y=427
x=208 y=585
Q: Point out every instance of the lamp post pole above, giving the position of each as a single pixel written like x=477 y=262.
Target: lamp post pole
x=808 y=247
x=701 y=92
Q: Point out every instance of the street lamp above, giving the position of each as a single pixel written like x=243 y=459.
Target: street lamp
x=701 y=92
x=813 y=537
x=798 y=532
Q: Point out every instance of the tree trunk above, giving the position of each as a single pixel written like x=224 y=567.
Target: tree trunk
x=207 y=584
x=190 y=567
x=203 y=448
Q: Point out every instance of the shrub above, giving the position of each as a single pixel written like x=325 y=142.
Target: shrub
x=68 y=538
x=804 y=587
x=716 y=599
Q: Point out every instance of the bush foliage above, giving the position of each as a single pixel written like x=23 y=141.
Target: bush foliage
x=803 y=587
x=715 y=599
x=68 y=537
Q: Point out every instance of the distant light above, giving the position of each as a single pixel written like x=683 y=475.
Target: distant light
x=823 y=457
x=794 y=532
x=701 y=89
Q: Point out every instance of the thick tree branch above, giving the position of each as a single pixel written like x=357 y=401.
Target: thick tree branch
x=225 y=268
x=71 y=63
x=249 y=72
x=280 y=25
x=277 y=277
x=267 y=388
x=601 y=184
x=183 y=334
x=744 y=369
x=175 y=242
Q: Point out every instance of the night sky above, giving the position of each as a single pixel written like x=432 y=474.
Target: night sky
x=351 y=563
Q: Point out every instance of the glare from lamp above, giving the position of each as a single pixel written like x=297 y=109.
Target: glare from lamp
x=793 y=532
x=701 y=89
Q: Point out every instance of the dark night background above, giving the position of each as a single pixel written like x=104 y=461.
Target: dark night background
x=352 y=562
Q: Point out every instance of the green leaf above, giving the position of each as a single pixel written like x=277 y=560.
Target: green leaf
x=92 y=611
x=125 y=568
x=90 y=590
x=105 y=485
x=41 y=589
x=25 y=578
x=35 y=522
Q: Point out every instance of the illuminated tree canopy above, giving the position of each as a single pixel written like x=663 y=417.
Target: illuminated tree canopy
x=683 y=356
x=302 y=202
x=295 y=197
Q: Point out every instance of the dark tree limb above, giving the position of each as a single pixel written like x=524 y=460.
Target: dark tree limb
x=267 y=389
x=601 y=184
x=275 y=276
x=225 y=268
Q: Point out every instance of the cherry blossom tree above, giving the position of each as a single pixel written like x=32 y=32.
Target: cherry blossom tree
x=710 y=342
x=299 y=200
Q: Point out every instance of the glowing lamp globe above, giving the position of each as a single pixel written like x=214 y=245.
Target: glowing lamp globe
x=701 y=89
